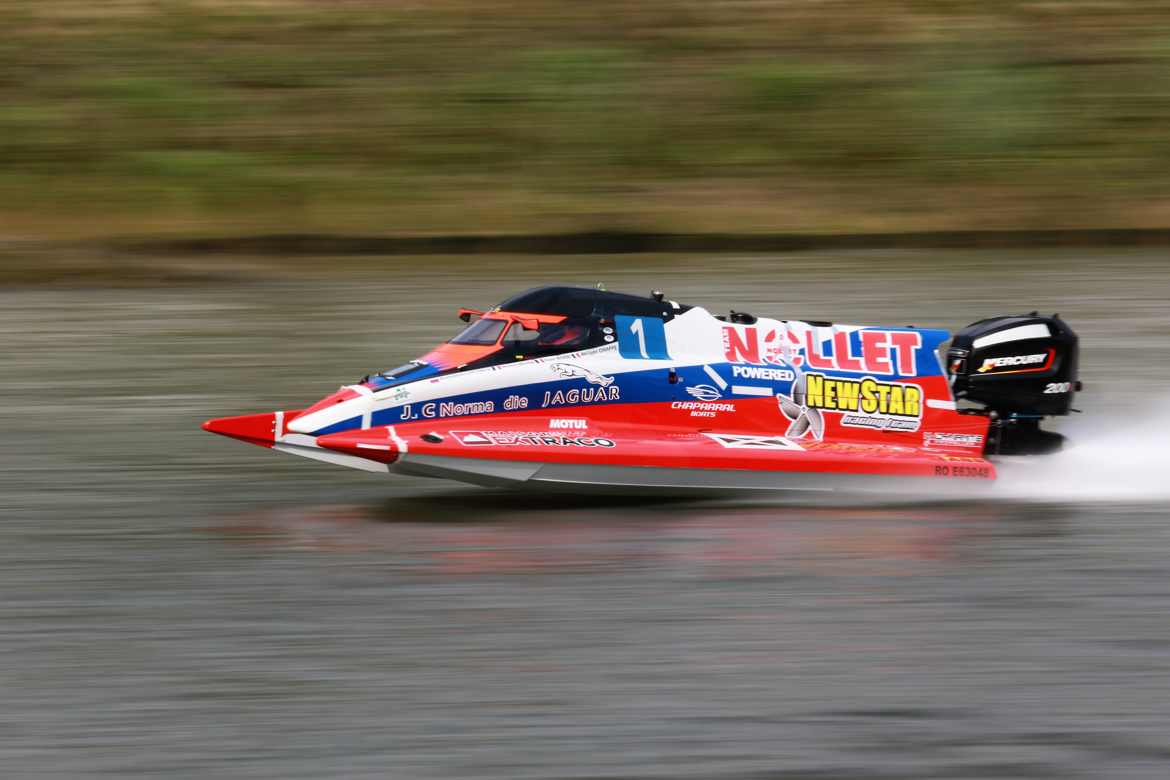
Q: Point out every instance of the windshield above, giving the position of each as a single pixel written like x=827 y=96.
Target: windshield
x=481 y=332
x=550 y=336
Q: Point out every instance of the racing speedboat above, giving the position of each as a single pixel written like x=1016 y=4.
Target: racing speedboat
x=579 y=389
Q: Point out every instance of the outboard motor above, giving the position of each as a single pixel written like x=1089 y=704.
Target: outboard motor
x=1021 y=368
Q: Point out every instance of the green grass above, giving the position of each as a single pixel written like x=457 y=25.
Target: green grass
x=139 y=118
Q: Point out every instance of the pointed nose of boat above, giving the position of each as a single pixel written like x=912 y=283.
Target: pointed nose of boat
x=330 y=410
x=258 y=429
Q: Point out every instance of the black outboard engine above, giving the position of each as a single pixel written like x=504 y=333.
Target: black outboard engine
x=1020 y=368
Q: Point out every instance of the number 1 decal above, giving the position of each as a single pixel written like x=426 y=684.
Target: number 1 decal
x=637 y=329
x=641 y=338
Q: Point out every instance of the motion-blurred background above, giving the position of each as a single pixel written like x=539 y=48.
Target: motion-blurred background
x=206 y=208
x=136 y=117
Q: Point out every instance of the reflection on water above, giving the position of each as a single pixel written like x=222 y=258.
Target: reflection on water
x=176 y=604
x=462 y=535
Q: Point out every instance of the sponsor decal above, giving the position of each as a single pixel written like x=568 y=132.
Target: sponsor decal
x=947 y=439
x=878 y=423
x=704 y=392
x=747 y=345
x=861 y=448
x=566 y=422
x=433 y=409
x=762 y=372
x=453 y=409
x=880 y=351
x=1013 y=362
x=527 y=439
x=515 y=402
x=584 y=395
x=866 y=403
x=472 y=438
x=736 y=441
x=805 y=421
x=570 y=370
x=399 y=394
x=703 y=408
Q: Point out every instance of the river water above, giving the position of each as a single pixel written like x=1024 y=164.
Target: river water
x=178 y=604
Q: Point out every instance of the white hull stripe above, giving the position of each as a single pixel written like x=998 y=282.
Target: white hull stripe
x=399 y=442
x=751 y=390
x=715 y=377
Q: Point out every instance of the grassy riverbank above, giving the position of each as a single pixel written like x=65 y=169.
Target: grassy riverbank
x=160 y=119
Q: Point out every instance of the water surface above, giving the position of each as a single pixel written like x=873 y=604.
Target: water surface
x=177 y=604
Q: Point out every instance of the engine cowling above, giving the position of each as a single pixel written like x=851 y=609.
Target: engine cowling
x=1022 y=365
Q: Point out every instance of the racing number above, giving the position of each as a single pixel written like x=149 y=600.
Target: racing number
x=641 y=338
x=637 y=329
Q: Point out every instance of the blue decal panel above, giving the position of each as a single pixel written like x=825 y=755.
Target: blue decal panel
x=633 y=387
x=587 y=390
x=641 y=338
x=644 y=338
x=344 y=425
x=924 y=354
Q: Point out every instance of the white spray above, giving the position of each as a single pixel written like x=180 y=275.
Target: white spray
x=1107 y=458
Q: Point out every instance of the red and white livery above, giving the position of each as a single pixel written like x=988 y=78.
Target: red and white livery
x=582 y=389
